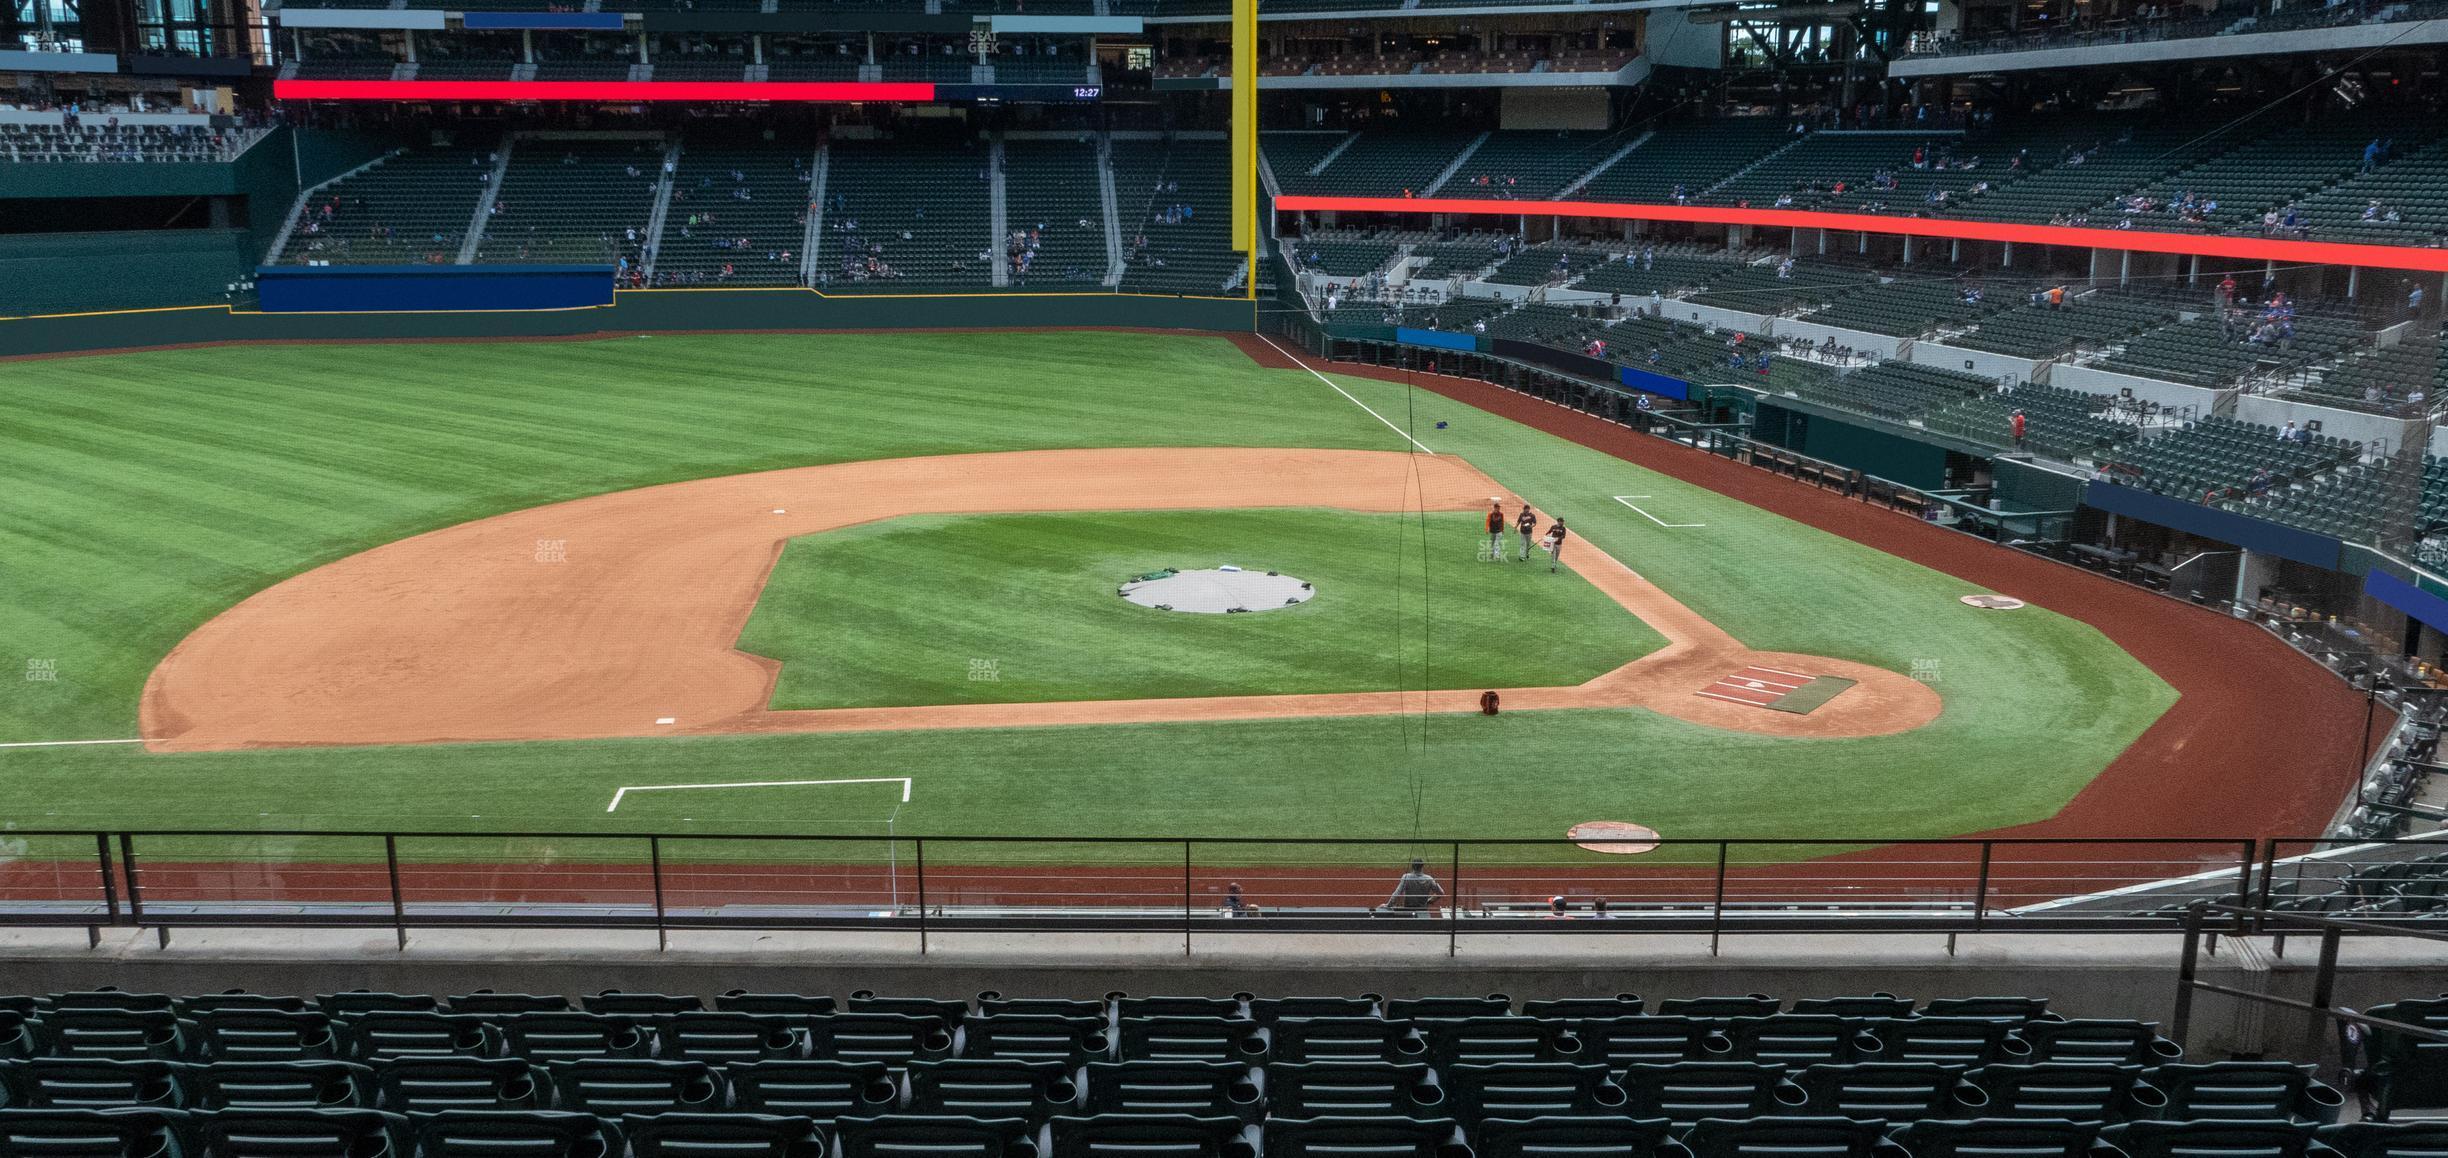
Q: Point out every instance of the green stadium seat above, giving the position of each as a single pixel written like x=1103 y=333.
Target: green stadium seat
x=2409 y=1072
x=2371 y=1139
x=1875 y=1005
x=1301 y=1039
x=1790 y=1138
x=1652 y=1040
x=1447 y=1008
x=1036 y=1037
x=1199 y=1089
x=1999 y=1138
x=991 y=1088
x=2154 y=1139
x=124 y=1133
x=1150 y=1136
x=920 y=1136
x=1687 y=1092
x=425 y=1085
x=728 y=1135
x=2099 y=1040
x=728 y=1037
x=951 y=1013
x=1211 y=1007
x=1596 y=1136
x=2014 y=1010
x=92 y=1083
x=100 y=1031
x=191 y=1007
x=615 y=1003
x=2246 y=1090
x=236 y=1034
x=787 y=1004
x=1748 y=1005
x=1361 y=1137
x=524 y=1133
x=825 y=1091
x=1896 y=1091
x=294 y=1085
x=323 y=1133
x=1271 y=1009
x=1573 y=1010
x=1797 y=1039
x=544 y=1038
x=384 y=1034
x=613 y=1087
x=2078 y=1091
x=996 y=1005
x=891 y=1038
x=1481 y=1040
x=1528 y=1090
x=1344 y=1089
x=486 y=1002
x=365 y=1001
x=1191 y=1038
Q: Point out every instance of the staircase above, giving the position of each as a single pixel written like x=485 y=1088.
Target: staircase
x=815 y=216
x=996 y=217
x=662 y=209
x=1114 y=266
x=1460 y=159
x=1333 y=153
x=1780 y=151
x=297 y=209
x=484 y=205
x=1582 y=181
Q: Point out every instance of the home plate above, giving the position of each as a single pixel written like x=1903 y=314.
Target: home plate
x=1615 y=837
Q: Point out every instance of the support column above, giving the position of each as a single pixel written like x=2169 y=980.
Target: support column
x=2252 y=573
x=1908 y=240
x=526 y=46
x=756 y=49
x=2006 y=257
x=2193 y=275
x=1245 y=135
x=2124 y=267
x=2353 y=280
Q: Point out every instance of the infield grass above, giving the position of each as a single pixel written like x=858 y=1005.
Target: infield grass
x=151 y=491
x=904 y=611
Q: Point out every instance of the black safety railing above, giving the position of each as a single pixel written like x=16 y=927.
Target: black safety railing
x=1619 y=881
x=2203 y=922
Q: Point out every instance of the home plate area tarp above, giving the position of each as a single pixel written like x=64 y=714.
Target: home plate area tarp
x=1777 y=690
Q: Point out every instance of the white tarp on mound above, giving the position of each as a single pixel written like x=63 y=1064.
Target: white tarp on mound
x=1218 y=591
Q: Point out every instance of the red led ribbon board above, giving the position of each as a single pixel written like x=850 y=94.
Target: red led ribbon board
x=616 y=92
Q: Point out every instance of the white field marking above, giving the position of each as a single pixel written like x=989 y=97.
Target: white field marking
x=64 y=743
x=1732 y=700
x=903 y=781
x=1627 y=501
x=1788 y=674
x=1763 y=682
x=1345 y=393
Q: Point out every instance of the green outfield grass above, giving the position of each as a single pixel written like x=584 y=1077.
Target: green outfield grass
x=894 y=613
x=151 y=491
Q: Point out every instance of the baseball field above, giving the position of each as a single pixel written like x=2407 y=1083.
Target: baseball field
x=489 y=587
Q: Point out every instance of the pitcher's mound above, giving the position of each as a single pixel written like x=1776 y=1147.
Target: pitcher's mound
x=1216 y=591
x=1619 y=837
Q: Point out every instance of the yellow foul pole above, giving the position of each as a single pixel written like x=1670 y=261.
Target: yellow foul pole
x=1245 y=135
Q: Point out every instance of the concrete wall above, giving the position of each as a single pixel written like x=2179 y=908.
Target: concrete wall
x=1723 y=319
x=1980 y=362
x=2353 y=425
x=1883 y=345
x=2099 y=381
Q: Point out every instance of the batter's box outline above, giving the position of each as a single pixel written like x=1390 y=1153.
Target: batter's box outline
x=1627 y=501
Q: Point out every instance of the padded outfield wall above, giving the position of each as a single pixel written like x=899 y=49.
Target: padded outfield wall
x=633 y=311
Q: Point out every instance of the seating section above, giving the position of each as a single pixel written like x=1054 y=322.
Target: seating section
x=1909 y=308
x=2067 y=424
x=2288 y=163
x=2382 y=379
x=111 y=1073
x=1647 y=271
x=1050 y=192
x=2037 y=329
x=901 y=218
x=1342 y=256
x=1523 y=165
x=412 y=208
x=1899 y=390
x=1166 y=250
x=2414 y=188
x=1765 y=288
x=738 y=216
x=1381 y=165
x=573 y=201
x=1694 y=156
x=1290 y=155
x=2359 y=503
x=2216 y=456
x=2206 y=352
x=97 y=140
